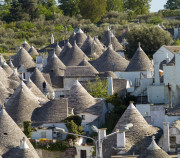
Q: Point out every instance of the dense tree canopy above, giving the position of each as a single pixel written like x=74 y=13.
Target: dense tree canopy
x=69 y=7
x=172 y=4
x=138 y=6
x=151 y=39
x=115 y=5
x=93 y=9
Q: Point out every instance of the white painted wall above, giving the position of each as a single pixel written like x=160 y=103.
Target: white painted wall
x=156 y=94
x=37 y=134
x=142 y=108
x=88 y=117
x=161 y=55
x=133 y=75
x=89 y=151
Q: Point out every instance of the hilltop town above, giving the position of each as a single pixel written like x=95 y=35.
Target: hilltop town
x=81 y=84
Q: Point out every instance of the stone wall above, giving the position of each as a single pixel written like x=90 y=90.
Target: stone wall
x=50 y=154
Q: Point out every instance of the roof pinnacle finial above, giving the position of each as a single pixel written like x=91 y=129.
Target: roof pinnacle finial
x=139 y=43
x=153 y=137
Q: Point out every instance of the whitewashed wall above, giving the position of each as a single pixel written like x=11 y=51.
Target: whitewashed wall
x=37 y=134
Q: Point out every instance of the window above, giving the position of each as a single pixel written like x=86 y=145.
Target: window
x=43 y=134
x=61 y=96
x=83 y=153
x=173 y=140
x=83 y=117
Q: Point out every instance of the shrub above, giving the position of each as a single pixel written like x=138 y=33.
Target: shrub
x=76 y=119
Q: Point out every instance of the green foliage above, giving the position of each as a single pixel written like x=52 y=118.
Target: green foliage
x=69 y=7
x=177 y=42
x=138 y=6
x=92 y=10
x=172 y=4
x=73 y=128
x=76 y=119
x=155 y=20
x=98 y=89
x=115 y=5
x=150 y=37
x=58 y=146
x=27 y=128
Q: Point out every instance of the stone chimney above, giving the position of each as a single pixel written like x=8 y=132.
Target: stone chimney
x=166 y=141
x=52 y=39
x=102 y=133
x=110 y=86
x=121 y=140
x=167 y=59
x=156 y=74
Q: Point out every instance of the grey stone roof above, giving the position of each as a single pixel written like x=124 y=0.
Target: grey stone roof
x=23 y=58
x=2 y=59
x=82 y=101
x=11 y=135
x=55 y=65
x=4 y=93
x=38 y=79
x=154 y=151
x=7 y=69
x=115 y=43
x=137 y=138
x=80 y=37
x=26 y=46
x=173 y=49
x=91 y=48
x=110 y=61
x=72 y=37
x=84 y=62
x=11 y=64
x=21 y=104
x=54 y=111
x=74 y=56
x=58 y=49
x=33 y=52
x=106 y=38
x=140 y=62
x=65 y=51
x=80 y=71
x=99 y=43
x=36 y=91
x=15 y=76
x=21 y=153
x=108 y=74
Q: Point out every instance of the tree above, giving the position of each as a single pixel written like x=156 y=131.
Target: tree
x=172 y=4
x=93 y=9
x=73 y=128
x=27 y=128
x=115 y=5
x=151 y=39
x=138 y=6
x=177 y=43
x=77 y=119
x=69 y=7
x=98 y=89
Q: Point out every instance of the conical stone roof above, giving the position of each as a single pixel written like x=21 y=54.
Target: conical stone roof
x=154 y=151
x=7 y=69
x=91 y=48
x=140 y=62
x=65 y=50
x=58 y=49
x=11 y=64
x=106 y=38
x=54 y=111
x=115 y=43
x=15 y=76
x=79 y=98
x=54 y=65
x=110 y=61
x=26 y=46
x=80 y=37
x=38 y=79
x=33 y=52
x=137 y=137
x=72 y=37
x=74 y=56
x=23 y=58
x=86 y=63
x=4 y=93
x=99 y=43
x=36 y=91
x=21 y=104
x=4 y=78
x=11 y=135
x=108 y=74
